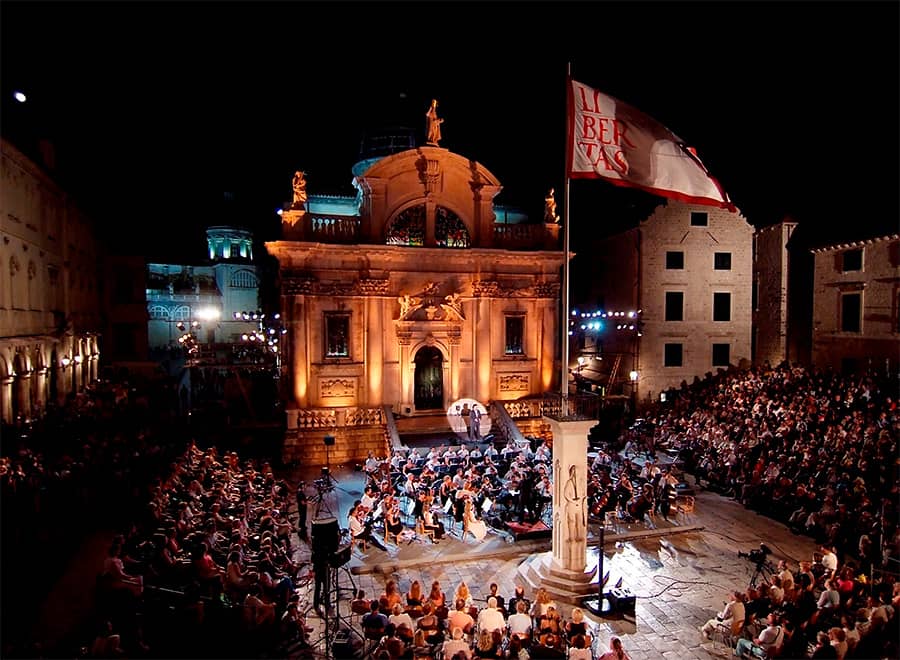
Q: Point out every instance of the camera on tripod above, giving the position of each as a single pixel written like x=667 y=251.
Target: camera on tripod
x=325 y=483
x=758 y=555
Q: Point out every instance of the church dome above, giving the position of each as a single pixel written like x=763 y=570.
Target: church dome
x=378 y=143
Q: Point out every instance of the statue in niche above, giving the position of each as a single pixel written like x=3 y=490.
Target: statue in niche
x=299 y=186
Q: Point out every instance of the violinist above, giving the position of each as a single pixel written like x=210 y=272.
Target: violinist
x=624 y=490
x=392 y=521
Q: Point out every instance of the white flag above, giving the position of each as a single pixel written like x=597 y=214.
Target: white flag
x=608 y=139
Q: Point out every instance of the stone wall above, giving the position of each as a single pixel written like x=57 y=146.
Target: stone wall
x=351 y=445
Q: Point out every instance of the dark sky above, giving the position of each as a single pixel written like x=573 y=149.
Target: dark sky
x=158 y=108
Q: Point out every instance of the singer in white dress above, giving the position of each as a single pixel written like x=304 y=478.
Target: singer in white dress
x=473 y=525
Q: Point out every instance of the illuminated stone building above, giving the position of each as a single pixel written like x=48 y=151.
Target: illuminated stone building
x=856 y=306
x=686 y=272
x=209 y=293
x=50 y=269
x=413 y=294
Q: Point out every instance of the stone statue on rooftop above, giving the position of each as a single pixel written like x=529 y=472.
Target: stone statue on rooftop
x=433 y=132
x=299 y=185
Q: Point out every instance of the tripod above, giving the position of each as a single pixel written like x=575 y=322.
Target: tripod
x=764 y=570
x=326 y=484
x=333 y=632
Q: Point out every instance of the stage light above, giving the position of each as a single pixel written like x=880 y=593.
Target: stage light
x=20 y=96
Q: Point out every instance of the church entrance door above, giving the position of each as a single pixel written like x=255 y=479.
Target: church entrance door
x=429 y=379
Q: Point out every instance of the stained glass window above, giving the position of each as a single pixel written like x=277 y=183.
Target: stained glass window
x=449 y=230
x=408 y=227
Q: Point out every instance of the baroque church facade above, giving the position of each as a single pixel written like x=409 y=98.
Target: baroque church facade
x=414 y=294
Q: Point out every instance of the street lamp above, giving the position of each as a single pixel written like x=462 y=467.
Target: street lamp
x=266 y=337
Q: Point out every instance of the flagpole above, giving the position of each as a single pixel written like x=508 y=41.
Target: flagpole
x=564 y=383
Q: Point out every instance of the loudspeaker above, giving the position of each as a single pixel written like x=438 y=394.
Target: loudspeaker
x=621 y=599
x=325 y=536
x=341 y=556
x=341 y=647
x=329 y=441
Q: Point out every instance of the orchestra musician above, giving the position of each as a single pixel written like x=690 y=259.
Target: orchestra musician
x=641 y=504
x=431 y=523
x=392 y=521
x=624 y=490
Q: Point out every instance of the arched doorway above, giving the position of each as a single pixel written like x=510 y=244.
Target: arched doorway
x=429 y=379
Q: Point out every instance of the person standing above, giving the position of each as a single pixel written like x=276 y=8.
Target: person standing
x=474 y=424
x=302 y=502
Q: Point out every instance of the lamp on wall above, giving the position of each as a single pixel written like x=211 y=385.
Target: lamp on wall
x=65 y=361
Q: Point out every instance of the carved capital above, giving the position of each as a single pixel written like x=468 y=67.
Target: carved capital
x=298 y=285
x=547 y=289
x=373 y=287
x=485 y=288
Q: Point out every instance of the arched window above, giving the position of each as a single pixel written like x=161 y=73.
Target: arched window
x=449 y=230
x=182 y=313
x=408 y=228
x=244 y=279
x=159 y=313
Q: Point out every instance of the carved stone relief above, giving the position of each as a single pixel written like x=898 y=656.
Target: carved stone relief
x=513 y=383
x=337 y=387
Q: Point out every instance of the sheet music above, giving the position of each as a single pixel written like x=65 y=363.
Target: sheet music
x=448 y=505
x=486 y=505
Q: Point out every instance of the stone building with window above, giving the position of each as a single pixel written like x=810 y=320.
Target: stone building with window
x=685 y=273
x=856 y=306
x=208 y=293
x=50 y=292
x=414 y=293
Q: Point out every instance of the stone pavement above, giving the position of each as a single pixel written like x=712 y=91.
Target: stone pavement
x=680 y=572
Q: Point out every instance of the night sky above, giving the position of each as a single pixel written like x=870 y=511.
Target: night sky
x=157 y=110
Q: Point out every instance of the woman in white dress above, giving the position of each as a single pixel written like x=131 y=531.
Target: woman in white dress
x=473 y=525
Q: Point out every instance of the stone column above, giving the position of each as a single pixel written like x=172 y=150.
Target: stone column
x=564 y=571
x=406 y=393
x=375 y=350
x=6 y=399
x=299 y=362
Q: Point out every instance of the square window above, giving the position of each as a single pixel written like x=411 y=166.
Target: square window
x=674 y=306
x=851 y=307
x=852 y=260
x=674 y=260
x=721 y=355
x=515 y=334
x=673 y=355
x=699 y=219
x=721 y=306
x=337 y=335
x=722 y=261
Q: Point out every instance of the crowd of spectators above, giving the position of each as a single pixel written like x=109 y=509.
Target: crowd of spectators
x=815 y=450
x=462 y=627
